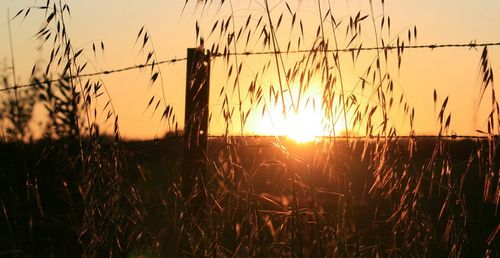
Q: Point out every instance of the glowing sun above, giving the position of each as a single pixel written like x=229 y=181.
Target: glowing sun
x=305 y=125
x=302 y=123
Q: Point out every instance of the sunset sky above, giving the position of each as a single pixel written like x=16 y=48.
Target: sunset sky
x=452 y=72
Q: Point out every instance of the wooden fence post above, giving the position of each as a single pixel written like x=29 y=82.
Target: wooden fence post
x=196 y=123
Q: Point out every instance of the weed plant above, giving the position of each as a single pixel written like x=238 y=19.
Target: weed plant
x=366 y=192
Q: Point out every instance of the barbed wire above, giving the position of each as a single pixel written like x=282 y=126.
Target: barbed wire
x=388 y=47
x=471 y=45
x=128 y=68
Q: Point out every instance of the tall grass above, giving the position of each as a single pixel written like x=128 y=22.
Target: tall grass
x=373 y=192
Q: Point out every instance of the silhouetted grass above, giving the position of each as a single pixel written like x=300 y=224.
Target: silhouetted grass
x=79 y=191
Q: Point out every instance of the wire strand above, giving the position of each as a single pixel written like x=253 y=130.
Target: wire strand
x=388 y=47
x=133 y=67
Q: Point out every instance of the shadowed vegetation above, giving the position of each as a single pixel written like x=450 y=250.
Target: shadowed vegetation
x=373 y=189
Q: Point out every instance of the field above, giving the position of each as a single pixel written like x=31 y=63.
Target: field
x=279 y=198
x=345 y=97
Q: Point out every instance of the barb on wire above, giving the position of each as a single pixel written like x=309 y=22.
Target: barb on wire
x=214 y=55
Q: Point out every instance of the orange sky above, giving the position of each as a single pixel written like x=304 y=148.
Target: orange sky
x=452 y=72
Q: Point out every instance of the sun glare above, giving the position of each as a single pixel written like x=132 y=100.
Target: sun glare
x=304 y=125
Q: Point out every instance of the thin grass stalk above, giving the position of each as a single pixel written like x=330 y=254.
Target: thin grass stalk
x=14 y=77
x=335 y=55
x=276 y=51
x=382 y=100
x=236 y=64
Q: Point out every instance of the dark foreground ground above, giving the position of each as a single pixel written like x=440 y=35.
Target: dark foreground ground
x=433 y=200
